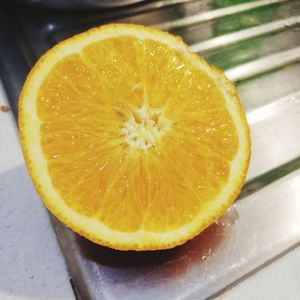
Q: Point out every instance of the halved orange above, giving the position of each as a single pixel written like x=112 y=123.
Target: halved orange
x=132 y=140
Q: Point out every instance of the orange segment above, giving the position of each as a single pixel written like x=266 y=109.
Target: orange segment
x=131 y=140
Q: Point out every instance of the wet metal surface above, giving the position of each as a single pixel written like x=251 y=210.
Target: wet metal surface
x=256 y=230
x=257 y=44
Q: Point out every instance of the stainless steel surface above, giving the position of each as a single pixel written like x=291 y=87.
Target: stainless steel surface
x=257 y=229
x=264 y=64
x=78 y=4
x=214 y=14
x=257 y=44
x=239 y=36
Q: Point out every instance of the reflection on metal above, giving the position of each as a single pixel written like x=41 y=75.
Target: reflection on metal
x=269 y=177
x=213 y=14
x=266 y=224
x=264 y=64
x=266 y=111
x=275 y=137
x=232 y=38
x=158 y=4
x=165 y=3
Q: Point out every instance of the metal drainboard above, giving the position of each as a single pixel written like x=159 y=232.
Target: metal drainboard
x=257 y=43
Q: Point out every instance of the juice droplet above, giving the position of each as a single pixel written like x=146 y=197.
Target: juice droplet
x=209 y=253
x=230 y=217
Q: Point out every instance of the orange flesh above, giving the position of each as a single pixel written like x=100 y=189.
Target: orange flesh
x=87 y=104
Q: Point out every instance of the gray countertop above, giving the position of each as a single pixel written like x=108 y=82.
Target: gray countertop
x=31 y=264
